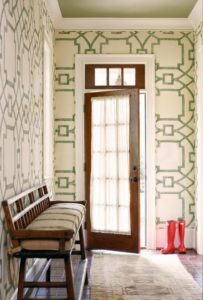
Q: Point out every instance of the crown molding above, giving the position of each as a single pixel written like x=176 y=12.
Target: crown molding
x=123 y=24
x=114 y=23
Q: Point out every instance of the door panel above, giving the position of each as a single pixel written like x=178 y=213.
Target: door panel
x=112 y=158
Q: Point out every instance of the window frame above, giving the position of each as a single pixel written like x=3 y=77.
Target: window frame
x=90 y=76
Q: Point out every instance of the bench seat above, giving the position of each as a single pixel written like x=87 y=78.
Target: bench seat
x=62 y=216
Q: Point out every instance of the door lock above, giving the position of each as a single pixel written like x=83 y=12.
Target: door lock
x=134 y=168
x=133 y=179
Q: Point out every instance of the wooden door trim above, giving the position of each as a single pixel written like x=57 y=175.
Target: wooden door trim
x=134 y=116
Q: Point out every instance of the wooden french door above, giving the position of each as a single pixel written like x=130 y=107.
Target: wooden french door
x=112 y=170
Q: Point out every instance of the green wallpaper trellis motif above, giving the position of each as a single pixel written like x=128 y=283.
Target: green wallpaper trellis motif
x=174 y=55
x=21 y=34
x=198 y=118
x=199 y=35
x=22 y=24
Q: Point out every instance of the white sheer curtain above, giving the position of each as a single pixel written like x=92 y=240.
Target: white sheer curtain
x=110 y=195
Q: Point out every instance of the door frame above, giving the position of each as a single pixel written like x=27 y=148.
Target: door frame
x=149 y=61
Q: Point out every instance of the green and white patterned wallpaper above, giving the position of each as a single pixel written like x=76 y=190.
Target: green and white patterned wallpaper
x=22 y=25
x=175 y=157
x=199 y=133
x=21 y=39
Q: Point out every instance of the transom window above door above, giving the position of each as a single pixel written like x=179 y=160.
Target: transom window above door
x=114 y=76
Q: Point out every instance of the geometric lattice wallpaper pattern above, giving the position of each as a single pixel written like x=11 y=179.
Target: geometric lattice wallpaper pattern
x=199 y=133
x=21 y=39
x=175 y=158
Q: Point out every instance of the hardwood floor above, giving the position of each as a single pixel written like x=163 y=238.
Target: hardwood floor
x=193 y=264
x=191 y=261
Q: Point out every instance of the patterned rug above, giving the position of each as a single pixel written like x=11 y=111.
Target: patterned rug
x=145 y=277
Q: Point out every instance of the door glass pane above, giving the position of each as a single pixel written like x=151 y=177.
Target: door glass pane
x=114 y=76
x=100 y=76
x=110 y=191
x=129 y=77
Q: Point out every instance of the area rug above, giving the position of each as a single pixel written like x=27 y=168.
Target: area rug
x=141 y=276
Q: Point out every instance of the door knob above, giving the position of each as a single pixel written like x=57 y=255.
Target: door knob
x=133 y=179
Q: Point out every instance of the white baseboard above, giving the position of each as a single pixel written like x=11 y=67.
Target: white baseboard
x=190 y=238
x=31 y=274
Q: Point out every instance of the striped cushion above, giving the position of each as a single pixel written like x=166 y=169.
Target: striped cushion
x=57 y=217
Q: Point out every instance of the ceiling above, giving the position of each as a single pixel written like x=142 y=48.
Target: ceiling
x=126 y=8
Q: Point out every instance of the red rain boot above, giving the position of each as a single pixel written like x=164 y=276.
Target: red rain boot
x=181 y=234
x=171 y=229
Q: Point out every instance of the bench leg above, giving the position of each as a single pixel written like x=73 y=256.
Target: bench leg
x=21 y=278
x=82 y=249
x=82 y=244
x=48 y=272
x=69 y=278
x=86 y=279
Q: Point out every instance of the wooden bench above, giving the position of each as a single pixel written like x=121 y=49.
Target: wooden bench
x=40 y=228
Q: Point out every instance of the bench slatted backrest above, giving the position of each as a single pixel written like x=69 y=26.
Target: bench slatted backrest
x=22 y=209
